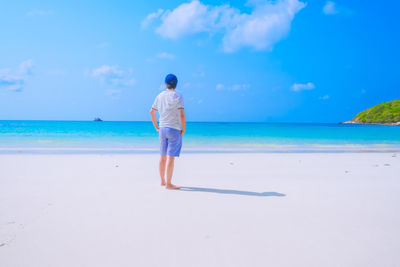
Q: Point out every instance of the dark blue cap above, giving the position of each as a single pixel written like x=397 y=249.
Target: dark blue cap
x=171 y=79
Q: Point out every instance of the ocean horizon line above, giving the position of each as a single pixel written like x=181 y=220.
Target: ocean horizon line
x=255 y=122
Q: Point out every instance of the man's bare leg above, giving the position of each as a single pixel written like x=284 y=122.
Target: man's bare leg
x=170 y=170
x=163 y=161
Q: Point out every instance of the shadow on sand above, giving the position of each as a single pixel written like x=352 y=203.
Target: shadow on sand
x=232 y=192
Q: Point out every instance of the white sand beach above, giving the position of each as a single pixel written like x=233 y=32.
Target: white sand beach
x=289 y=209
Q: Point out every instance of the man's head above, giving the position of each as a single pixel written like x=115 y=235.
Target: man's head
x=171 y=81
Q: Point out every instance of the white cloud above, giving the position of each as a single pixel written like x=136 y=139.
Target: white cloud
x=26 y=67
x=235 y=87
x=264 y=27
x=189 y=18
x=261 y=29
x=165 y=55
x=162 y=55
x=39 y=12
x=107 y=72
x=330 y=8
x=114 y=93
x=297 y=87
x=199 y=74
x=11 y=81
x=150 y=17
x=325 y=97
x=219 y=86
x=15 y=80
x=112 y=75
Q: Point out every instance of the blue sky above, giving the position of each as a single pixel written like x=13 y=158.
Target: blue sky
x=279 y=61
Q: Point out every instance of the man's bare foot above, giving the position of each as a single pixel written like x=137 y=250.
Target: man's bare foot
x=171 y=186
x=162 y=183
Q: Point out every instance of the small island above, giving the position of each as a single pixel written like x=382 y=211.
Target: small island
x=387 y=113
x=97 y=119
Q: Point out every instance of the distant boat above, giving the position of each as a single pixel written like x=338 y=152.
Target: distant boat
x=97 y=119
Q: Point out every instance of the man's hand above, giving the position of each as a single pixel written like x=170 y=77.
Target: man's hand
x=154 y=119
x=183 y=120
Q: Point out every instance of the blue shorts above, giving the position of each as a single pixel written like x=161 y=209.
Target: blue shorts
x=170 y=142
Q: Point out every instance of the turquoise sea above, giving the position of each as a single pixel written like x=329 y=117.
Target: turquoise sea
x=140 y=137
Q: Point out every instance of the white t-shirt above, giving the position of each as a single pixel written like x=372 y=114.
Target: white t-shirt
x=168 y=103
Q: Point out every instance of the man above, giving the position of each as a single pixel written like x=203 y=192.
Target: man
x=169 y=105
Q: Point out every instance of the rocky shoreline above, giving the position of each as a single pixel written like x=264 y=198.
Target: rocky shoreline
x=358 y=122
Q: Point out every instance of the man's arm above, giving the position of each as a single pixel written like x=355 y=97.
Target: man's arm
x=154 y=119
x=183 y=120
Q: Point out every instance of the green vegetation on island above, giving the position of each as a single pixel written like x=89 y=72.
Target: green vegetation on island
x=384 y=113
